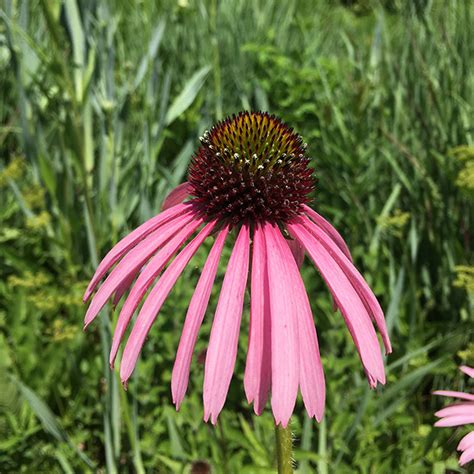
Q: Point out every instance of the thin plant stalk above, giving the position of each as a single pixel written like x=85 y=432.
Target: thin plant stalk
x=284 y=445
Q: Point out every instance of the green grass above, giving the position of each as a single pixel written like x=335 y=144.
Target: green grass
x=101 y=107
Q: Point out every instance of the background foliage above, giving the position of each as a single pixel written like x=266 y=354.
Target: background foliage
x=101 y=104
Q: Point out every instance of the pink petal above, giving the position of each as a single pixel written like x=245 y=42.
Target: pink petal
x=360 y=285
x=451 y=393
x=329 y=229
x=222 y=350
x=467 y=370
x=297 y=250
x=257 y=378
x=332 y=233
x=122 y=288
x=131 y=240
x=456 y=420
x=176 y=196
x=193 y=321
x=149 y=274
x=466 y=442
x=132 y=262
x=458 y=409
x=467 y=456
x=355 y=315
x=312 y=385
x=284 y=327
x=155 y=300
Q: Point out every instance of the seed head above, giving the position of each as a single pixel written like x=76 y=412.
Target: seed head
x=251 y=167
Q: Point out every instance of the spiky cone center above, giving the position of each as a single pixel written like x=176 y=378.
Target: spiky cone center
x=251 y=167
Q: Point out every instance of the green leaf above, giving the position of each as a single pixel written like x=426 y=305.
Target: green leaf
x=47 y=418
x=151 y=53
x=187 y=95
x=47 y=173
x=42 y=411
x=74 y=23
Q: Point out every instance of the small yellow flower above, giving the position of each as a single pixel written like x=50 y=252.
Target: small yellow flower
x=394 y=223
x=38 y=221
x=465 y=154
x=28 y=280
x=34 y=196
x=464 y=277
x=12 y=171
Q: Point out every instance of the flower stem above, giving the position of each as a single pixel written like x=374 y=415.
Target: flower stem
x=284 y=449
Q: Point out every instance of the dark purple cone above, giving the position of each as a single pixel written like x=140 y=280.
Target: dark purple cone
x=251 y=167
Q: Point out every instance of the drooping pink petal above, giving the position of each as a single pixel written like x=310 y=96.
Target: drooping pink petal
x=257 y=378
x=194 y=317
x=132 y=262
x=456 y=420
x=332 y=233
x=284 y=327
x=329 y=229
x=458 y=409
x=155 y=300
x=149 y=274
x=131 y=240
x=466 y=456
x=355 y=314
x=360 y=285
x=223 y=342
x=122 y=288
x=466 y=442
x=176 y=196
x=311 y=375
x=467 y=370
x=451 y=393
x=297 y=250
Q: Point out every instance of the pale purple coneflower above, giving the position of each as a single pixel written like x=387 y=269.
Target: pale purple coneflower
x=249 y=176
x=459 y=414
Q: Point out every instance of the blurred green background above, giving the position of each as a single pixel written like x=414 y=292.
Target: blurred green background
x=101 y=107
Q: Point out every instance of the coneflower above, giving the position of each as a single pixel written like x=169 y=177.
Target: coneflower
x=459 y=414
x=251 y=177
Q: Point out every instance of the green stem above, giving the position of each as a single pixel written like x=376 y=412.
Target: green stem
x=284 y=449
x=322 y=448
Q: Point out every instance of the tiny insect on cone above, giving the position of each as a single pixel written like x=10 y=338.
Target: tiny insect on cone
x=250 y=177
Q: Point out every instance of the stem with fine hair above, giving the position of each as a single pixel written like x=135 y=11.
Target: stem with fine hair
x=284 y=449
